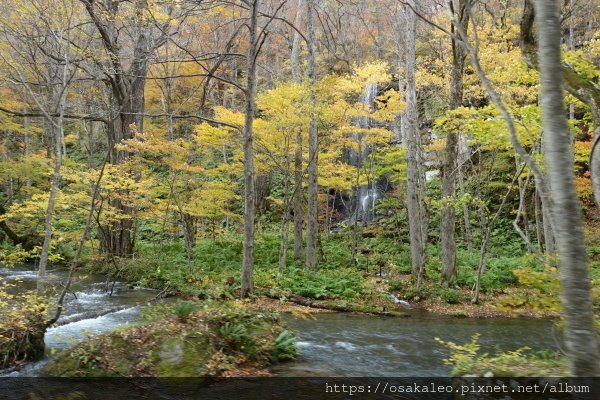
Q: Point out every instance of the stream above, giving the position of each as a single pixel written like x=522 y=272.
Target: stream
x=329 y=344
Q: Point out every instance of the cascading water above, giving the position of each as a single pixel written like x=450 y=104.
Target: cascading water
x=368 y=194
x=90 y=309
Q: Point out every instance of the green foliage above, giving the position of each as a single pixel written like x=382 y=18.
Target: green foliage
x=451 y=296
x=22 y=326
x=11 y=256
x=184 y=309
x=466 y=359
x=323 y=284
x=216 y=339
x=542 y=290
x=284 y=347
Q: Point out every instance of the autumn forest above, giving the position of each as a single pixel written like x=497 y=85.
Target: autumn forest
x=270 y=187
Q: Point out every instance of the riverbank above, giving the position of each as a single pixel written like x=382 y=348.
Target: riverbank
x=182 y=339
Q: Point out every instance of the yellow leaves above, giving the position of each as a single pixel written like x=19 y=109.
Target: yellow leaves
x=335 y=174
x=389 y=105
x=213 y=136
x=486 y=127
x=582 y=63
x=212 y=200
x=287 y=102
x=375 y=73
x=231 y=117
x=582 y=151
x=429 y=77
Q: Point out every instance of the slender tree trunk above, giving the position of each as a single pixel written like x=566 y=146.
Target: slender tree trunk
x=283 y=246
x=448 y=220
x=298 y=196
x=580 y=335
x=410 y=136
x=189 y=230
x=538 y=222
x=297 y=40
x=41 y=280
x=465 y=211
x=298 y=167
x=313 y=147
x=249 y=195
x=57 y=127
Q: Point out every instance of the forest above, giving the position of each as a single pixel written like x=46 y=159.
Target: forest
x=231 y=188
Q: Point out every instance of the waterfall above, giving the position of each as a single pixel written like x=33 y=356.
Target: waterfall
x=366 y=195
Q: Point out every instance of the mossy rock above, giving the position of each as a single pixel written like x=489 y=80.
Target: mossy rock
x=209 y=342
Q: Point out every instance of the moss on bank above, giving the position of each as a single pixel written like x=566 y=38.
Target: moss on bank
x=195 y=341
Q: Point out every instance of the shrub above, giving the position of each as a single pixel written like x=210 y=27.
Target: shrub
x=184 y=309
x=451 y=296
x=22 y=326
x=323 y=284
x=466 y=360
x=284 y=347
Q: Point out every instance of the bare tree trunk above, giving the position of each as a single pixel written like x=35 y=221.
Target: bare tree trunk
x=249 y=195
x=284 y=233
x=577 y=84
x=57 y=126
x=465 y=209
x=298 y=196
x=539 y=232
x=41 y=279
x=189 y=232
x=313 y=147
x=298 y=171
x=410 y=136
x=580 y=335
x=295 y=56
x=547 y=218
x=448 y=220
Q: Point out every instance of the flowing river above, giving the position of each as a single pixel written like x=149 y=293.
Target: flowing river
x=329 y=344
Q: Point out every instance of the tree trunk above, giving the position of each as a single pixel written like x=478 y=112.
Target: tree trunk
x=580 y=334
x=313 y=147
x=284 y=233
x=411 y=138
x=465 y=210
x=547 y=219
x=127 y=89
x=262 y=190
x=41 y=278
x=539 y=232
x=298 y=172
x=448 y=220
x=57 y=127
x=249 y=195
x=190 y=229
x=298 y=196
x=578 y=85
x=295 y=56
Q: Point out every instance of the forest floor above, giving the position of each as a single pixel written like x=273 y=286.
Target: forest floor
x=514 y=285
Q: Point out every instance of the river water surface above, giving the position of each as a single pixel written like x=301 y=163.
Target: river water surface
x=330 y=344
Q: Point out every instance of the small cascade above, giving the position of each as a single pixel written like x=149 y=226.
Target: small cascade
x=366 y=196
x=90 y=309
x=398 y=301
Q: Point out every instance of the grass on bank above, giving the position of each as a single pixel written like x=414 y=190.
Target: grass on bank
x=184 y=339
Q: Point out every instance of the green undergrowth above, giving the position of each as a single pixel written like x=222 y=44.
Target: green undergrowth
x=213 y=271
x=184 y=339
x=468 y=360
